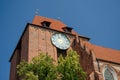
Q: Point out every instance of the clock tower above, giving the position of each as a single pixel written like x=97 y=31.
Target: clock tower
x=42 y=35
x=54 y=37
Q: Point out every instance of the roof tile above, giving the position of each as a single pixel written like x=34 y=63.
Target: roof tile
x=103 y=53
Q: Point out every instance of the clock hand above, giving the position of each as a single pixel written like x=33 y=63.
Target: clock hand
x=59 y=36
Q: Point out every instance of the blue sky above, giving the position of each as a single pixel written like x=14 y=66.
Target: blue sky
x=97 y=19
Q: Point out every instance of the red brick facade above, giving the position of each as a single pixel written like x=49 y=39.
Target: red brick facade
x=37 y=38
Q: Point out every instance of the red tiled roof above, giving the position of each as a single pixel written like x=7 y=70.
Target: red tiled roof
x=55 y=24
x=103 y=53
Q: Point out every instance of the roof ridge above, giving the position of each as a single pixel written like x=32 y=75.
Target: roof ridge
x=49 y=19
x=105 y=47
x=86 y=42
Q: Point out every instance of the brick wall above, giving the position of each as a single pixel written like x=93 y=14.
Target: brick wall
x=86 y=59
x=13 y=67
x=40 y=41
x=24 y=45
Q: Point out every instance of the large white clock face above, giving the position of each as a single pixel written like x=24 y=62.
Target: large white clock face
x=60 y=41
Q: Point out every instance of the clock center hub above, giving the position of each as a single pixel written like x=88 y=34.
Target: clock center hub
x=60 y=41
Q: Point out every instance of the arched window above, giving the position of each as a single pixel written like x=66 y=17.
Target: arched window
x=109 y=74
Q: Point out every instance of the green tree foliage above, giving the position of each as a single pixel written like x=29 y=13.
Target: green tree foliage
x=69 y=67
x=43 y=67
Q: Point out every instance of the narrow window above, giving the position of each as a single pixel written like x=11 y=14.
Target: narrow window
x=61 y=52
x=67 y=29
x=109 y=74
x=45 y=24
x=74 y=42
